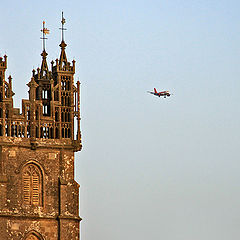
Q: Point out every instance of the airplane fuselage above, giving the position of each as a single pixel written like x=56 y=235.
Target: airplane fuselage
x=161 y=94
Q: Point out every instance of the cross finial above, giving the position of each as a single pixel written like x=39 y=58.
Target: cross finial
x=45 y=31
x=63 y=21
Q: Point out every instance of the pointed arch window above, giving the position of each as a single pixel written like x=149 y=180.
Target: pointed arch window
x=32 y=185
x=32 y=237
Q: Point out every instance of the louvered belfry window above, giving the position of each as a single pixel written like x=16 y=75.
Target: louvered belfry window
x=32 y=185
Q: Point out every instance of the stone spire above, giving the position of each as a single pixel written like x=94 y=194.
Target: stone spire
x=44 y=67
x=63 y=56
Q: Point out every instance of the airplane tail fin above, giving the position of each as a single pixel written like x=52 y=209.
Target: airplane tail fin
x=155 y=90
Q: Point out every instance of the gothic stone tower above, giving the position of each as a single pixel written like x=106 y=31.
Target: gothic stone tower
x=39 y=198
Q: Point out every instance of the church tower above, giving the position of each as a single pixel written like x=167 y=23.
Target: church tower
x=39 y=198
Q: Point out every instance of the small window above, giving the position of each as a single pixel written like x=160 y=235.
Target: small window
x=32 y=237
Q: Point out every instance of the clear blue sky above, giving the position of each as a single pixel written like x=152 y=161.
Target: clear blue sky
x=150 y=168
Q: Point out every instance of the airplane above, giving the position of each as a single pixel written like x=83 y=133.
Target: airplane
x=161 y=94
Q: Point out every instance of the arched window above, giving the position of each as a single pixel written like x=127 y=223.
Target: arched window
x=32 y=185
x=32 y=237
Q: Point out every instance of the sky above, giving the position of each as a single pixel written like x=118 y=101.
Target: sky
x=150 y=168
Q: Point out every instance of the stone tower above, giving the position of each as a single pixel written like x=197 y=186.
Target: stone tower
x=39 y=198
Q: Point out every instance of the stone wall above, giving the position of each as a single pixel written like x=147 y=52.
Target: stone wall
x=57 y=215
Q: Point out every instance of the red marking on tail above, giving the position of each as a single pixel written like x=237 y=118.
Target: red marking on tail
x=155 y=90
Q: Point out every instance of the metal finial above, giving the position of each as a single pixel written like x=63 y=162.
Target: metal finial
x=45 y=31
x=63 y=21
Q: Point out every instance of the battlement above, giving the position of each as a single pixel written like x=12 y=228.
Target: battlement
x=63 y=67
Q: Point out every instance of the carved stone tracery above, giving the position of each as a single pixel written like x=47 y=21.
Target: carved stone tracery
x=52 y=105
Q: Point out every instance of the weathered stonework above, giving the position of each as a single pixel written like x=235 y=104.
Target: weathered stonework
x=39 y=198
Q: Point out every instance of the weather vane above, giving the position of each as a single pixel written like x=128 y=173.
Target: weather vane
x=45 y=31
x=63 y=21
